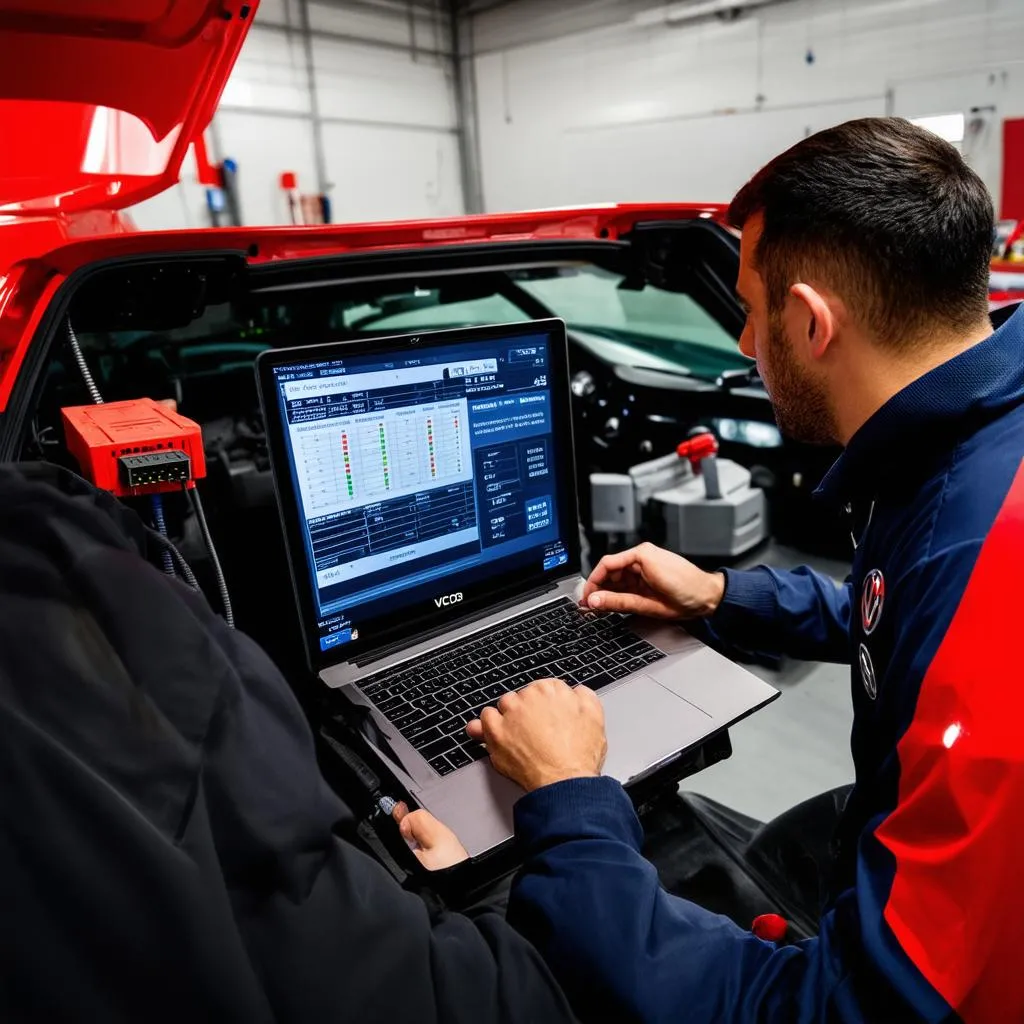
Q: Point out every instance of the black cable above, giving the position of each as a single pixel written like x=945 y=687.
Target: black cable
x=83 y=366
x=222 y=586
x=179 y=559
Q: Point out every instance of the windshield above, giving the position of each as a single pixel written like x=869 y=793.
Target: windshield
x=669 y=325
x=648 y=326
x=620 y=324
x=419 y=308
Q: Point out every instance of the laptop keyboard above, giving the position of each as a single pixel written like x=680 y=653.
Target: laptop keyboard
x=430 y=701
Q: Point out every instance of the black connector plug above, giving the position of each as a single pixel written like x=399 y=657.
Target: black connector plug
x=170 y=466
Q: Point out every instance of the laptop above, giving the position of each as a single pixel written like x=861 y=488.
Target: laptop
x=428 y=494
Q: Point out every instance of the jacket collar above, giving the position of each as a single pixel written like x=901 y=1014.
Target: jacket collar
x=923 y=421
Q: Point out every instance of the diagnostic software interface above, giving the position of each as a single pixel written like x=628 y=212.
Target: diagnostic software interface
x=417 y=472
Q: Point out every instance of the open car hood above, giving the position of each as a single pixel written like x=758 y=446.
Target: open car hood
x=101 y=99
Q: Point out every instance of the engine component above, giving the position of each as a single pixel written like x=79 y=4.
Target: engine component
x=690 y=502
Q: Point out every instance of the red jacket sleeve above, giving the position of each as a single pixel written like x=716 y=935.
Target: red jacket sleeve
x=957 y=831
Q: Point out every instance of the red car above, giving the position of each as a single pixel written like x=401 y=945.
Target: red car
x=99 y=111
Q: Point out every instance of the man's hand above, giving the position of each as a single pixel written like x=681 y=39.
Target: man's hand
x=544 y=734
x=436 y=846
x=648 y=580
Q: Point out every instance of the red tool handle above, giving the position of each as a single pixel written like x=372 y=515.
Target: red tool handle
x=697 y=448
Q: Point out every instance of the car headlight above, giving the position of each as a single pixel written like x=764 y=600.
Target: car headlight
x=750 y=432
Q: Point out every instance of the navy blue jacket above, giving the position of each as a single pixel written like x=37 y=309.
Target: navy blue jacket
x=926 y=922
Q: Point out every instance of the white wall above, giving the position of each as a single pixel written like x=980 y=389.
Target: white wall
x=387 y=119
x=686 y=113
x=389 y=133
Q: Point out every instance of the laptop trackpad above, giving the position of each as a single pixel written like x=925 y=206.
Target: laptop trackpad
x=647 y=723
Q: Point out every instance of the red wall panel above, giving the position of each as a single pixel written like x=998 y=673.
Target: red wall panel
x=1013 y=169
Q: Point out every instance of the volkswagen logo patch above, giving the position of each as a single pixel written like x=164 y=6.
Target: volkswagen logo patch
x=867 y=672
x=872 y=600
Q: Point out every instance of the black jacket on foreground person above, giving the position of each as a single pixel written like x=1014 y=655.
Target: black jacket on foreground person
x=168 y=848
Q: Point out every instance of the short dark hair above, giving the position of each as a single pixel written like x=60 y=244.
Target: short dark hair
x=885 y=213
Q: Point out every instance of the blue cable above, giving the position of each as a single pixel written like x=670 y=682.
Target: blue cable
x=161 y=525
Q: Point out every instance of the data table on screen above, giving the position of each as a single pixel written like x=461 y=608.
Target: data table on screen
x=343 y=462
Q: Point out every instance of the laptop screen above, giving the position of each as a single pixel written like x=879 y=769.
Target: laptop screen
x=419 y=475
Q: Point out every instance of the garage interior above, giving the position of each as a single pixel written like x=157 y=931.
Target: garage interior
x=405 y=110
x=527 y=104
x=374 y=355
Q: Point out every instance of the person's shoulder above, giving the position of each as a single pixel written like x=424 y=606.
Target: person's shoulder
x=982 y=487
x=962 y=598
x=934 y=533
x=965 y=533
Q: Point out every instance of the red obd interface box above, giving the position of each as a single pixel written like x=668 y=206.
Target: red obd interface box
x=136 y=447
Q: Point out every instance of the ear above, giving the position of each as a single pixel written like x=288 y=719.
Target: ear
x=817 y=316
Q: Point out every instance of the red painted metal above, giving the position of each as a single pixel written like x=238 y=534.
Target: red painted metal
x=32 y=259
x=100 y=100
x=206 y=173
x=21 y=239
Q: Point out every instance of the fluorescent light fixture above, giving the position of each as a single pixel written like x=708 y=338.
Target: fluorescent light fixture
x=694 y=10
x=947 y=126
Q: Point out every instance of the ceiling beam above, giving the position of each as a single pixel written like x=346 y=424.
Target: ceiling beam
x=384 y=8
x=343 y=37
x=483 y=6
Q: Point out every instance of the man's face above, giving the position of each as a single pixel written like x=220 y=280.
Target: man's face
x=778 y=340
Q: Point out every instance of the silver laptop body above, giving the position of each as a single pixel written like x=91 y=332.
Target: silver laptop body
x=428 y=493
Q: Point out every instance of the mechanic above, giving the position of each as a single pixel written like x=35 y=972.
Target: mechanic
x=168 y=848
x=864 y=271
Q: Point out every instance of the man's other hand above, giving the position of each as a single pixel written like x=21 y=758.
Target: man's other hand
x=436 y=846
x=545 y=733
x=648 y=580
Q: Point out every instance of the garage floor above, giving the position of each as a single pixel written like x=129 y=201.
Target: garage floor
x=800 y=744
